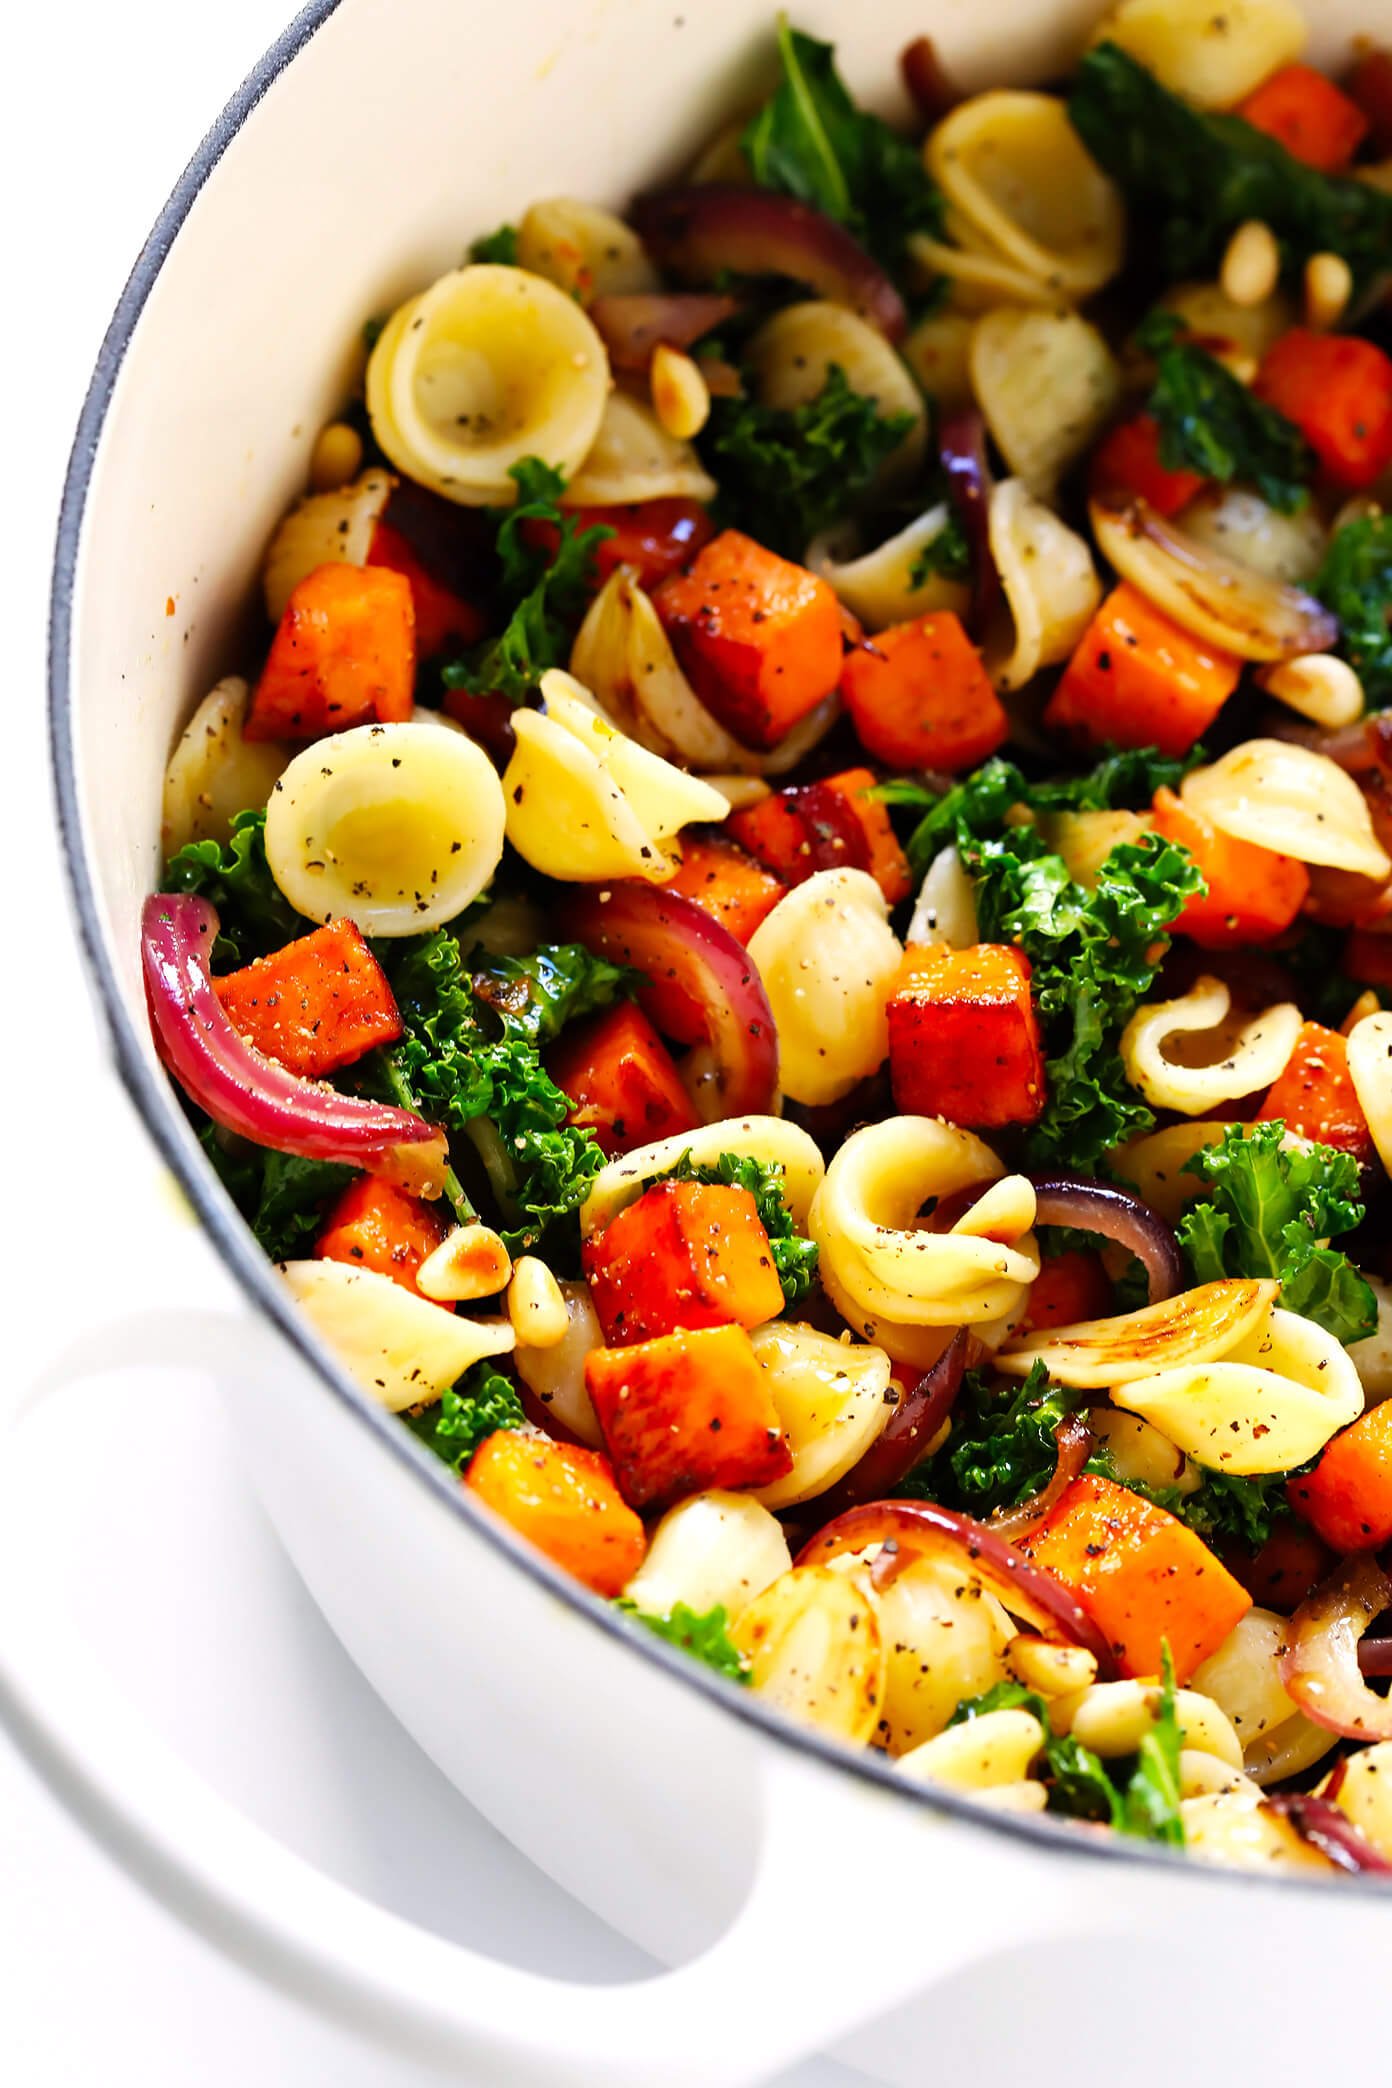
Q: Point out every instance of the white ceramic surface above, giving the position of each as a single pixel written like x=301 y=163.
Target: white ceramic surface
x=800 y=1898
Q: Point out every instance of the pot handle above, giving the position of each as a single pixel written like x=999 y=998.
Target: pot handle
x=857 y=1900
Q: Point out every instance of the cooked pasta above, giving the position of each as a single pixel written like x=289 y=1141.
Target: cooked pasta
x=1212 y=58
x=323 y=529
x=723 y=1548
x=826 y=955
x=1239 y=525
x=1048 y=384
x=399 y=1348
x=214 y=771
x=770 y=1140
x=624 y=657
x=1291 y=799
x=944 y=911
x=633 y=458
x=1239 y=1058
x=936 y=349
x=583 y=250
x=895 y=581
x=791 y=356
x=1369 y=1061
x=832 y=1399
x=1049 y=582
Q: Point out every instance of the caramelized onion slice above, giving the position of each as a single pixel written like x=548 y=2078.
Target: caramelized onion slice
x=1073 y=1441
x=1330 y=1831
x=1198 y=1326
x=1119 y=1215
x=1320 y=1668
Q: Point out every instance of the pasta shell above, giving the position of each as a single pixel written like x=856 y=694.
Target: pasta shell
x=1086 y=839
x=1240 y=525
x=1198 y=1326
x=878 y=587
x=1370 y=1070
x=1234 y=1061
x=723 y=1548
x=1014 y=167
x=1213 y=57
x=1047 y=384
x=832 y=1399
x=945 y=1639
x=936 y=350
x=396 y=827
x=977 y=277
x=556 y=1375
x=1291 y=799
x=770 y=1140
x=1049 y=582
x=945 y=909
x=623 y=655
x=1156 y=1164
x=486 y=367
x=791 y=356
x=401 y=1349
x=815 y=1651
x=1364 y=1794
x=214 y=772
x=583 y=250
x=323 y=529
x=826 y=955
x=633 y=458
x=991 y=1752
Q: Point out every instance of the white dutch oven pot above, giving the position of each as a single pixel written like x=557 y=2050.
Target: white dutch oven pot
x=804 y=1897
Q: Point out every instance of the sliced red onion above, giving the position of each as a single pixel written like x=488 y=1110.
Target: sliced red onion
x=631 y=327
x=1073 y=1442
x=905 y=1436
x=1320 y=1666
x=1330 y=1831
x=1119 y=1215
x=1375 y=1657
x=933 y=93
x=836 y=837
x=238 y=1086
x=700 y=234
x=962 y=450
x=912 y=1530
x=702 y=987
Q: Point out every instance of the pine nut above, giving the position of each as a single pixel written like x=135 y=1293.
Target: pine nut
x=536 y=1305
x=679 y=395
x=471 y=1263
x=1328 y=288
x=1201 y=1774
x=995 y=1748
x=1050 y=1669
x=1367 y=1003
x=1237 y=362
x=1319 y=686
x=1252 y=264
x=336 y=457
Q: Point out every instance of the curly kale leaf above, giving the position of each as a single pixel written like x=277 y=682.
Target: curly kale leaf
x=499 y=246
x=794 y=1257
x=281 y=1196
x=482 y=1402
x=948 y=554
x=704 y=1634
x=786 y=472
x=1214 y=425
x=1355 y=581
x=1001 y=1450
x=254 y=916
x=535 y=997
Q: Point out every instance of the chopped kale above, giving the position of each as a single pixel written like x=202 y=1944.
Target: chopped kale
x=483 y=1401
x=1355 y=581
x=703 y=1634
x=254 y=916
x=1214 y=425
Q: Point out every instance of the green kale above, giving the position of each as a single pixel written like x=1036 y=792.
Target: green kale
x=1355 y=581
x=786 y=472
x=1192 y=178
x=499 y=246
x=544 y=590
x=948 y=554
x=1268 y=1212
x=1001 y=1450
x=794 y=1257
x=281 y=1196
x=1214 y=425
x=254 y=916
x=1136 y=1794
x=535 y=997
x=1224 y=1505
x=811 y=141
x=482 y=1402
x=703 y=1634
x=1323 y=988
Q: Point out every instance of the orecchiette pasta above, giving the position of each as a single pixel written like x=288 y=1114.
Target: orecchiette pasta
x=1209 y=313
x=894 y=582
x=815 y=1649
x=1291 y=799
x=1236 y=1061
x=982 y=1754
x=1049 y=582
x=1047 y=384
x=721 y=1548
x=978 y=276
x=214 y=772
x=936 y=350
x=556 y=1374
x=1238 y=524
x=1364 y=1793
x=1244 y=1677
x=487 y=366
x=398 y=827
x=1012 y=164
x=1212 y=56
x=772 y=1141
x=632 y=458
x=401 y=1349
x=333 y=528
x=1369 y=1065
x=585 y=802
x=1372 y=1357
x=945 y=1639
x=826 y=955
x=1086 y=839
x=1270 y=1402
x=1195 y=1327
x=1235 y=1829
x=585 y=251
x=945 y=909
x=1139 y=1453
x=791 y=356
x=832 y=1399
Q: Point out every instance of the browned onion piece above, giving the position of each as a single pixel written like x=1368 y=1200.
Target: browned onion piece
x=1375 y=1657
x=1354 y=747
x=1119 y=1215
x=962 y=452
x=911 y=1530
x=907 y=1434
x=1320 y=1667
x=932 y=91
x=698 y=234
x=1330 y=1831
x=631 y=327
x=1073 y=1441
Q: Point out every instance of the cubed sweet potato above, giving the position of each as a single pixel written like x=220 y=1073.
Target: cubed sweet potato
x=833 y=824
x=621 y=1080
x=686 y=1413
x=344 y=653
x=374 y=1225
x=727 y=883
x=1315 y=1095
x=686 y=1254
x=562 y=1498
x=919 y=696
x=964 y=1037
x=1251 y=893
x=1138 y=680
x=315 y=1005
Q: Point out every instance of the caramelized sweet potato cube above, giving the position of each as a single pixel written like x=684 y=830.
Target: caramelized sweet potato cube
x=1315 y=1095
x=685 y=1413
x=563 y=1499
x=727 y=883
x=686 y=1254
x=621 y=1080
x=374 y=1225
x=964 y=1038
x=315 y=1005
x=344 y=653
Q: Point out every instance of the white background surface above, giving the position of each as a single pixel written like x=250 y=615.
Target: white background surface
x=145 y=1524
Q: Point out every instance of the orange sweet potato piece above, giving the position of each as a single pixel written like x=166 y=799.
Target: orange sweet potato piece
x=621 y=1080
x=686 y=1254
x=374 y=1225
x=919 y=696
x=315 y=1005
x=964 y=1038
x=443 y=618
x=1128 y=461
x=1304 y=111
x=563 y=1499
x=686 y=1412
x=758 y=637
x=1142 y=1576
x=1348 y=1496
x=1368 y=957
x=1314 y=1096
x=344 y=653
x=831 y=825
x=1253 y=893
x=727 y=882
x=1338 y=391
x=1138 y=680
x=1070 y=1287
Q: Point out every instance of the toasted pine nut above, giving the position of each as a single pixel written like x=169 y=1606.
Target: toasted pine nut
x=1328 y=288
x=1252 y=264
x=1026 y=1796
x=336 y=457
x=1114 y=1717
x=1052 y=1670
x=996 y=1748
x=1367 y=1003
x=1200 y=1774
x=1319 y=686
x=535 y=1304
x=471 y=1263
x=679 y=395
